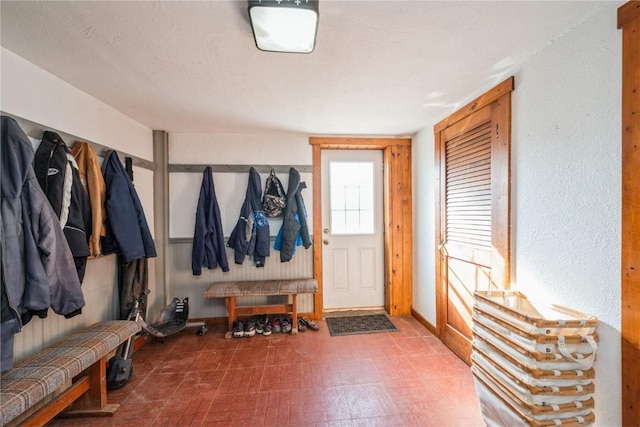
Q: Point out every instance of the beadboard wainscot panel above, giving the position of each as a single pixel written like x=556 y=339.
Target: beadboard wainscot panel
x=185 y=284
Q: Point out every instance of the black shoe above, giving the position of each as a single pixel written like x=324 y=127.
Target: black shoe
x=267 y=329
x=261 y=321
x=310 y=324
x=238 y=329
x=249 y=328
x=286 y=325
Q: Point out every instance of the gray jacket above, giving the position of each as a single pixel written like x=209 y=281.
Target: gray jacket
x=38 y=270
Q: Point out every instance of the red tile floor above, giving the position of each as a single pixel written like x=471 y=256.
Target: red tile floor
x=404 y=378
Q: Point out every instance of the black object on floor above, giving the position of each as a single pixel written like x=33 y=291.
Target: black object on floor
x=367 y=324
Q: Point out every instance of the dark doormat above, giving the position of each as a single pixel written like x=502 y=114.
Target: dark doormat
x=351 y=325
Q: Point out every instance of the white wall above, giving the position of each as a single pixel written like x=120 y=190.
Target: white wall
x=184 y=188
x=566 y=186
x=565 y=189
x=424 y=270
x=31 y=93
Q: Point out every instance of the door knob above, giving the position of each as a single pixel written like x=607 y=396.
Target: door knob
x=325 y=241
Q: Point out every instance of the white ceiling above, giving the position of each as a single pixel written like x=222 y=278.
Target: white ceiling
x=379 y=67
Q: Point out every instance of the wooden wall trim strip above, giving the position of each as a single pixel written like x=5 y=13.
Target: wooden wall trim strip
x=475 y=105
x=629 y=21
x=440 y=214
x=407 y=225
x=501 y=198
x=400 y=229
x=387 y=217
x=394 y=230
x=628 y=13
x=317 y=231
x=357 y=143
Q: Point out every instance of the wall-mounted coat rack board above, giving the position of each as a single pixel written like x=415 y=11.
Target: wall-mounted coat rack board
x=230 y=188
x=35 y=130
x=239 y=168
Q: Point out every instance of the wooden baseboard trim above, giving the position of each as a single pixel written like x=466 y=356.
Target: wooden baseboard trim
x=423 y=321
x=222 y=321
x=211 y=321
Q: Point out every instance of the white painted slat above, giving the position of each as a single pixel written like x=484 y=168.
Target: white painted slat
x=183 y=283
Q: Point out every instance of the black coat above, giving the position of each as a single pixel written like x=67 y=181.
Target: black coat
x=59 y=177
x=208 y=238
x=294 y=218
x=250 y=236
x=127 y=232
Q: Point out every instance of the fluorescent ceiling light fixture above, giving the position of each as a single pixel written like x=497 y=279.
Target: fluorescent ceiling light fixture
x=284 y=25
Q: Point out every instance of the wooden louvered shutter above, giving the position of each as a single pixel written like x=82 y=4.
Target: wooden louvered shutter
x=468 y=188
x=472 y=221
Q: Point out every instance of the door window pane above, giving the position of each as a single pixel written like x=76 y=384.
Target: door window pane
x=337 y=197
x=352 y=198
x=351 y=187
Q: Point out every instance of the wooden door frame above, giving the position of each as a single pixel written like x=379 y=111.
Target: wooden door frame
x=629 y=22
x=502 y=254
x=398 y=222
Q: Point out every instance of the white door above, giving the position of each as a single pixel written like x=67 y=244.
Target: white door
x=352 y=229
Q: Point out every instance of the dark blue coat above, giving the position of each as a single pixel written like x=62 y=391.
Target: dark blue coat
x=208 y=238
x=127 y=232
x=294 y=218
x=251 y=233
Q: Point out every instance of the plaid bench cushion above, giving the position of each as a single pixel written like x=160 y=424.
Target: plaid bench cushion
x=262 y=287
x=36 y=377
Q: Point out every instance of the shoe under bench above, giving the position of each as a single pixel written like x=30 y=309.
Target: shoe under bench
x=286 y=287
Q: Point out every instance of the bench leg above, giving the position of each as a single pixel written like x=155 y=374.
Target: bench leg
x=94 y=402
x=231 y=317
x=294 y=314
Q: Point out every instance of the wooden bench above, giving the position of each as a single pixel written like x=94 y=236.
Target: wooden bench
x=74 y=370
x=289 y=287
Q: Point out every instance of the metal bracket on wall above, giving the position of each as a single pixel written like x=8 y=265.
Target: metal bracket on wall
x=240 y=168
x=36 y=130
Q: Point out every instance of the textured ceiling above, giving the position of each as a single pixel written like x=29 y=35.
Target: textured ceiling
x=379 y=68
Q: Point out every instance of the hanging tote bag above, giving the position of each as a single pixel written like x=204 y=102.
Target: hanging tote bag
x=274 y=197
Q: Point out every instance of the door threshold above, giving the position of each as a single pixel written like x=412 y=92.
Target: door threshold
x=346 y=312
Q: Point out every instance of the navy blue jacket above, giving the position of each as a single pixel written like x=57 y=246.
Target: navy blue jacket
x=294 y=218
x=127 y=232
x=250 y=236
x=208 y=238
